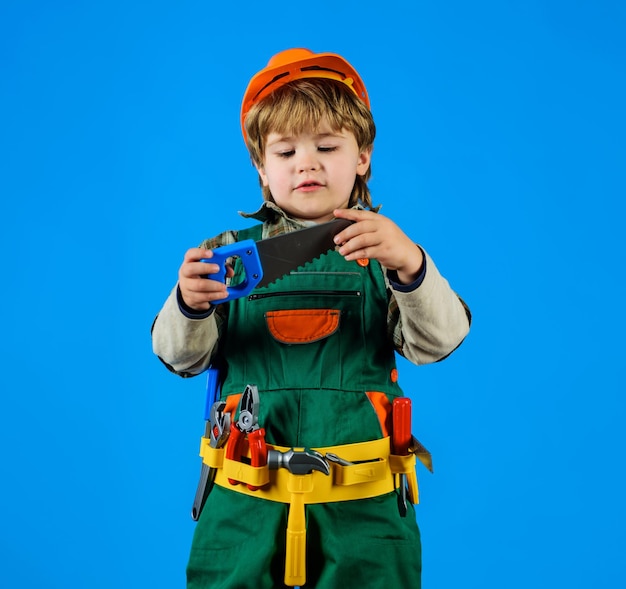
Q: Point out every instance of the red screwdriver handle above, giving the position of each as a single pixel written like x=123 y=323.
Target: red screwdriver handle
x=401 y=415
x=401 y=423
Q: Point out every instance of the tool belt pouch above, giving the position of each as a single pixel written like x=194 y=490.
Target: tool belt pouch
x=233 y=469
x=406 y=465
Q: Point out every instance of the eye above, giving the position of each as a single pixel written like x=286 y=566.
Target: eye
x=286 y=154
x=326 y=149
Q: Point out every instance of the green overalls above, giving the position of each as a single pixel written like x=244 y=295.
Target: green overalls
x=315 y=344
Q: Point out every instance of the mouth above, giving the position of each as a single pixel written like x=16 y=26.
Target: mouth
x=308 y=185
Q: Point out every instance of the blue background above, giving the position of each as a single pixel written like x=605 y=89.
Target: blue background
x=500 y=148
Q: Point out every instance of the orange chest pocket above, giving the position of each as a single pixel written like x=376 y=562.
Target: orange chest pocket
x=302 y=326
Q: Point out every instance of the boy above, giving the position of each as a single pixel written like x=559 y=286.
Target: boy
x=318 y=345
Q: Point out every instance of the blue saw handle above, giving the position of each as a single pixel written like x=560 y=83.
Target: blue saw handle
x=251 y=261
x=212 y=391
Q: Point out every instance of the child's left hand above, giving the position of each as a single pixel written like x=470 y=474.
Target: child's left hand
x=374 y=236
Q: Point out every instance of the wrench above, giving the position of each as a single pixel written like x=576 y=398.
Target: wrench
x=217 y=430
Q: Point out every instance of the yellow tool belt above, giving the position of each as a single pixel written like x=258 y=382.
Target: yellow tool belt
x=370 y=476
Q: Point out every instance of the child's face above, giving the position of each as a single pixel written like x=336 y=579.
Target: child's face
x=311 y=174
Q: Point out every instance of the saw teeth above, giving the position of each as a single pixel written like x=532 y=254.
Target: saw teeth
x=301 y=267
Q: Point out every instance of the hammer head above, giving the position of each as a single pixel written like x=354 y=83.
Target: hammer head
x=298 y=461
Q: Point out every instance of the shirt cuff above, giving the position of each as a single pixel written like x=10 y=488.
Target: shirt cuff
x=395 y=283
x=190 y=313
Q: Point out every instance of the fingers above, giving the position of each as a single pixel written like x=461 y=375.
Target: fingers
x=352 y=214
x=375 y=236
x=200 y=282
x=365 y=238
x=192 y=262
x=195 y=265
x=364 y=222
x=367 y=243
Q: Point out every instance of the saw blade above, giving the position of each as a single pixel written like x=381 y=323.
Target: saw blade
x=284 y=253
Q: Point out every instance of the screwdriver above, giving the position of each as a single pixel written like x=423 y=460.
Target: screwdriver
x=401 y=416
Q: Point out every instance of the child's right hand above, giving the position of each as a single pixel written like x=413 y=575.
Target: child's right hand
x=197 y=290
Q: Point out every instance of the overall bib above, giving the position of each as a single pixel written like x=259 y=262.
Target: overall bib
x=315 y=344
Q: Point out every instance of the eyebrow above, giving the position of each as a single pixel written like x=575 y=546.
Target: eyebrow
x=318 y=136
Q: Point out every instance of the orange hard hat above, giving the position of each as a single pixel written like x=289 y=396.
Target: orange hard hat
x=295 y=64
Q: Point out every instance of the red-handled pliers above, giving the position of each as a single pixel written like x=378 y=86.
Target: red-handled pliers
x=247 y=425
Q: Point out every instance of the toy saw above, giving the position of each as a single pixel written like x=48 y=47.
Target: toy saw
x=267 y=260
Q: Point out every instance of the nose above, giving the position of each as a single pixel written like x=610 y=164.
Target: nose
x=307 y=160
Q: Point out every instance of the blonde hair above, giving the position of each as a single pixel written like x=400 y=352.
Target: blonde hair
x=300 y=106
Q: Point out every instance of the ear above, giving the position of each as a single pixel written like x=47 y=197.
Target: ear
x=262 y=175
x=363 y=163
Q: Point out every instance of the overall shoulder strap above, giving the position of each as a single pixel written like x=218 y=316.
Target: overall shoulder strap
x=255 y=232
